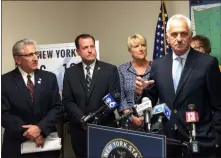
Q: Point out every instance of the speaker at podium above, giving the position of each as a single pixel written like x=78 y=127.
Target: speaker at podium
x=108 y=142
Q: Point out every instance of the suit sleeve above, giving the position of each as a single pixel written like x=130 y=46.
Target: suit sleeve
x=11 y=123
x=114 y=82
x=55 y=112
x=214 y=87
x=151 y=90
x=123 y=104
x=69 y=102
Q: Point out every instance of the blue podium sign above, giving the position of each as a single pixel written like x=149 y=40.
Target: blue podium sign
x=108 y=142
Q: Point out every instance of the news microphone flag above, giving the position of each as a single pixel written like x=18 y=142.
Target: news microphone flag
x=192 y=116
x=110 y=102
x=102 y=111
x=144 y=105
x=162 y=108
x=161 y=47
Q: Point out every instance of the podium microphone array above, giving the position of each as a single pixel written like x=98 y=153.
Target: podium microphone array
x=157 y=115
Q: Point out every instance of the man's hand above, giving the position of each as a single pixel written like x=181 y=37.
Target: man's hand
x=40 y=141
x=33 y=132
x=137 y=121
x=140 y=85
x=82 y=123
x=126 y=111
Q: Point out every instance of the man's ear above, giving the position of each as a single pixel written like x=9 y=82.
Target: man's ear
x=77 y=51
x=17 y=60
x=167 y=38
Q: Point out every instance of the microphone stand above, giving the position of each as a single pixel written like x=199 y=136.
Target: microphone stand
x=126 y=124
x=193 y=142
x=124 y=120
x=147 y=125
x=157 y=127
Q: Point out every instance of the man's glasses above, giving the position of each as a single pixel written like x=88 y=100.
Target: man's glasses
x=29 y=54
x=198 y=47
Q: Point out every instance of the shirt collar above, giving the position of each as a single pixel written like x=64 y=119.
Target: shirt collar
x=184 y=56
x=92 y=65
x=24 y=74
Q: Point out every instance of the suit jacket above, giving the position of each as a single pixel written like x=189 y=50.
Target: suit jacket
x=17 y=109
x=78 y=101
x=200 y=84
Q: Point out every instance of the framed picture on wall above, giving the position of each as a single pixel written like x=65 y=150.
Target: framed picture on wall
x=205 y=17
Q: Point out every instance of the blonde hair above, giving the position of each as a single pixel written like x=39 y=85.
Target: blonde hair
x=137 y=38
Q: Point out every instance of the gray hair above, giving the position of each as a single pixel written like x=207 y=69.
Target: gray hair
x=179 y=16
x=19 y=46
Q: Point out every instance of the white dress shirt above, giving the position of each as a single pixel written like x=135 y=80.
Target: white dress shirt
x=176 y=62
x=92 y=65
x=25 y=78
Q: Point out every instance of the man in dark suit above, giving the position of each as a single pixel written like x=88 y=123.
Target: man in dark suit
x=85 y=84
x=202 y=44
x=185 y=77
x=31 y=103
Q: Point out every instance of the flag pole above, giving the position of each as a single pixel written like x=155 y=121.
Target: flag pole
x=164 y=25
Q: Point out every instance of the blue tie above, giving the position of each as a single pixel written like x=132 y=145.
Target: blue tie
x=176 y=77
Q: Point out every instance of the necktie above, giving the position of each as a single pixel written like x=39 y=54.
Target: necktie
x=178 y=71
x=30 y=87
x=88 y=76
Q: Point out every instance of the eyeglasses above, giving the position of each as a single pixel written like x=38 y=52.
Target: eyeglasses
x=198 y=47
x=29 y=54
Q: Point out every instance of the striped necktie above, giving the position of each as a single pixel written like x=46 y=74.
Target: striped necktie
x=88 y=77
x=30 y=87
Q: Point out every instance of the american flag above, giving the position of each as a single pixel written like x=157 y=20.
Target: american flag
x=161 y=47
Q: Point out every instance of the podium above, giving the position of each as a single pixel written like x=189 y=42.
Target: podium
x=120 y=143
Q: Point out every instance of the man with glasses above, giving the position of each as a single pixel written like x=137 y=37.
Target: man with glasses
x=31 y=104
x=201 y=44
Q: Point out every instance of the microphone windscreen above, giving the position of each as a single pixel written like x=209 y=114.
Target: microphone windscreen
x=191 y=107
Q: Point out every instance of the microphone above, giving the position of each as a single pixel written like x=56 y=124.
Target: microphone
x=144 y=109
x=109 y=106
x=193 y=117
x=124 y=116
x=139 y=109
x=147 y=124
x=160 y=112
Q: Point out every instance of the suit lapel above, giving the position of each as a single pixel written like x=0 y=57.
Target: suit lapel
x=189 y=65
x=20 y=83
x=38 y=85
x=168 y=75
x=94 y=77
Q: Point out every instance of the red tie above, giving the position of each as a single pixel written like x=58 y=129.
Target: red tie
x=30 y=87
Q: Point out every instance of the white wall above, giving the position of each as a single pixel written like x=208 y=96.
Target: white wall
x=111 y=22
x=46 y=22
